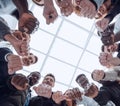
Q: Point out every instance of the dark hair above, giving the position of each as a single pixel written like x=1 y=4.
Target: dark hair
x=79 y=77
x=51 y=75
x=36 y=59
x=102 y=48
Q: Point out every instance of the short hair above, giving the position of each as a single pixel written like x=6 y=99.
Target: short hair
x=51 y=75
x=102 y=48
x=36 y=59
x=79 y=77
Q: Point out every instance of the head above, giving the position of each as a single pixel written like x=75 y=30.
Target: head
x=49 y=79
x=110 y=48
x=82 y=81
x=34 y=77
x=76 y=8
x=104 y=9
x=29 y=60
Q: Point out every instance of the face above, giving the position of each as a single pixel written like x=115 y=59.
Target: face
x=34 y=78
x=49 y=81
x=28 y=60
x=76 y=9
x=82 y=81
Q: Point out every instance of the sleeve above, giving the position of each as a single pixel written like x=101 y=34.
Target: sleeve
x=8 y=82
x=87 y=101
x=112 y=74
x=103 y=96
x=3 y=53
x=4 y=29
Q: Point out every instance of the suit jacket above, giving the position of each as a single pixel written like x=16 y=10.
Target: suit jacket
x=9 y=95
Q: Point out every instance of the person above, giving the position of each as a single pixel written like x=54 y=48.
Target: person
x=27 y=22
x=111 y=34
x=104 y=9
x=13 y=86
x=19 y=9
x=66 y=7
x=45 y=95
x=112 y=74
x=102 y=24
x=33 y=77
x=21 y=47
x=89 y=7
x=109 y=91
x=49 y=11
x=106 y=58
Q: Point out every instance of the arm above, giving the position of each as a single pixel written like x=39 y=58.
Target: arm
x=87 y=101
x=27 y=22
x=4 y=29
x=22 y=6
x=3 y=53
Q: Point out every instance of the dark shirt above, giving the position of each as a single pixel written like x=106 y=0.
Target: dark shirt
x=110 y=91
x=118 y=55
x=9 y=95
x=42 y=101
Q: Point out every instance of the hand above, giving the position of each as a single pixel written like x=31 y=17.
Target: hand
x=21 y=47
x=98 y=75
x=102 y=24
x=20 y=82
x=14 y=63
x=28 y=23
x=23 y=36
x=58 y=97
x=92 y=91
x=88 y=9
x=65 y=6
x=49 y=12
x=73 y=94
x=43 y=90
x=105 y=58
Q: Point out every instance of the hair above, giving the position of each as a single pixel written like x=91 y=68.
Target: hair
x=36 y=59
x=51 y=75
x=79 y=76
x=102 y=48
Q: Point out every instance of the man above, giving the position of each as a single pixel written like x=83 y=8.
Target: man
x=109 y=91
x=20 y=46
x=45 y=95
x=10 y=88
x=27 y=22
x=13 y=87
